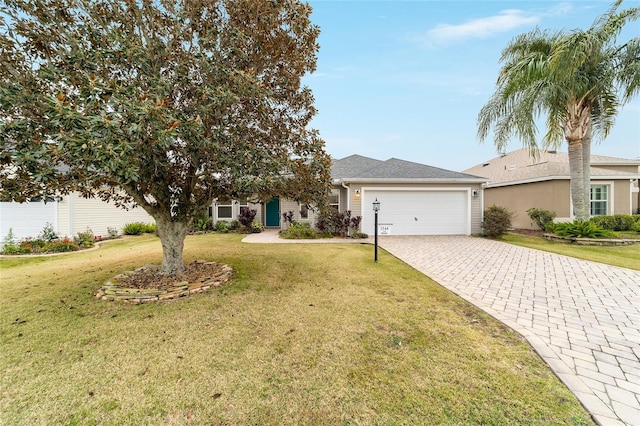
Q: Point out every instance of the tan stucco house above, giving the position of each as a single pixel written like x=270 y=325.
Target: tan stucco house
x=519 y=182
x=415 y=199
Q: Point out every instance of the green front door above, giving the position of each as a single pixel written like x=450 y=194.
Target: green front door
x=273 y=212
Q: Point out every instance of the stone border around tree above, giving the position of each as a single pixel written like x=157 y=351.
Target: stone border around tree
x=111 y=291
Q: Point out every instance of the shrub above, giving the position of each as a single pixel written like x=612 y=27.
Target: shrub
x=33 y=245
x=222 y=226
x=636 y=227
x=61 y=246
x=48 y=233
x=541 y=217
x=235 y=225
x=203 y=224
x=246 y=216
x=149 y=228
x=112 y=232
x=299 y=231
x=9 y=245
x=134 y=228
x=582 y=229
x=617 y=222
x=86 y=238
x=256 y=227
x=338 y=223
x=358 y=234
x=497 y=221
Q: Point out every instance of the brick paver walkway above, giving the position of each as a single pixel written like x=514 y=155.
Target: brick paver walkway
x=583 y=318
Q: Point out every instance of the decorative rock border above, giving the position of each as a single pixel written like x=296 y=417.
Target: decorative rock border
x=113 y=292
x=592 y=241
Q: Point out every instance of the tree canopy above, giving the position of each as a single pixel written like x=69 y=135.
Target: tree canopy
x=169 y=104
x=578 y=80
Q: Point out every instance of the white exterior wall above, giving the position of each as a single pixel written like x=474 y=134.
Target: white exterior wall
x=26 y=219
x=76 y=214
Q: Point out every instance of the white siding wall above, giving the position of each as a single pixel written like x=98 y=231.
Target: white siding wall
x=26 y=219
x=76 y=214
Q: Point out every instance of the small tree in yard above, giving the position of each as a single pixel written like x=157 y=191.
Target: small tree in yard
x=168 y=104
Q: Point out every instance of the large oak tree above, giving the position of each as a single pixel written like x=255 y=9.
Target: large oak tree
x=165 y=103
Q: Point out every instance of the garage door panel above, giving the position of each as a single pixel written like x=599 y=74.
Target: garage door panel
x=425 y=212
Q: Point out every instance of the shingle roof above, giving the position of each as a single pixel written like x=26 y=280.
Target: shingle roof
x=521 y=166
x=359 y=167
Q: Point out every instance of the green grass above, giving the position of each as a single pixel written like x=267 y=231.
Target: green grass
x=624 y=256
x=312 y=334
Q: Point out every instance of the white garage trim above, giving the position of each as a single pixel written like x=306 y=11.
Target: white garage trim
x=456 y=221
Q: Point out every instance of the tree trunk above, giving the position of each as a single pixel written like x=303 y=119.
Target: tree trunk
x=172 y=235
x=576 y=171
x=586 y=169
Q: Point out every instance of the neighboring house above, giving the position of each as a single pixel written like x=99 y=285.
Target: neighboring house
x=518 y=182
x=68 y=216
x=415 y=199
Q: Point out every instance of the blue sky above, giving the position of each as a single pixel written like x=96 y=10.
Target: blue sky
x=406 y=79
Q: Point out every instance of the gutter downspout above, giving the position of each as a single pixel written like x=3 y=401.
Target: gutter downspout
x=348 y=195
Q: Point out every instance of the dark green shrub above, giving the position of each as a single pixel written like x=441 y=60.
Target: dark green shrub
x=358 y=234
x=604 y=222
x=61 y=246
x=235 y=225
x=222 y=226
x=203 y=224
x=497 y=221
x=636 y=227
x=617 y=222
x=134 y=228
x=299 y=231
x=582 y=229
x=541 y=217
x=85 y=239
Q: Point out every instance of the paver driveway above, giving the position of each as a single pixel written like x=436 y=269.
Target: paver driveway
x=582 y=317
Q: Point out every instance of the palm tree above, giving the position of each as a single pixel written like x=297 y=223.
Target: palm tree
x=579 y=80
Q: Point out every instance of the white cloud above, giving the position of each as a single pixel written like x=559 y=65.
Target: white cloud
x=504 y=21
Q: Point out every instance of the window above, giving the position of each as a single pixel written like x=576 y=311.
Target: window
x=225 y=210
x=599 y=200
x=304 y=212
x=334 y=200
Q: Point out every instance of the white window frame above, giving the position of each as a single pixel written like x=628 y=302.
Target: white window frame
x=228 y=204
x=305 y=208
x=335 y=192
x=608 y=201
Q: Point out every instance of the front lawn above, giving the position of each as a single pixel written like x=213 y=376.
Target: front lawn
x=312 y=334
x=624 y=256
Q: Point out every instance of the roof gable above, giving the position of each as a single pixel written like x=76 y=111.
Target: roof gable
x=520 y=165
x=359 y=167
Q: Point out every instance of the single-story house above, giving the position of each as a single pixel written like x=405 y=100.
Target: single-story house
x=68 y=215
x=519 y=182
x=415 y=199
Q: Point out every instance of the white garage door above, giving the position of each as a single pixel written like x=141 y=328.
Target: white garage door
x=424 y=212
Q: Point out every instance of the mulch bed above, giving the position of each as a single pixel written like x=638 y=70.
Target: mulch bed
x=149 y=276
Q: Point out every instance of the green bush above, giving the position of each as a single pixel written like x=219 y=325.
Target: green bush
x=61 y=246
x=582 y=229
x=150 y=228
x=235 y=225
x=299 y=231
x=636 y=227
x=33 y=245
x=203 y=224
x=617 y=222
x=85 y=239
x=9 y=245
x=134 y=228
x=256 y=227
x=358 y=234
x=541 y=217
x=497 y=221
x=222 y=226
